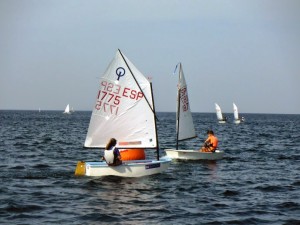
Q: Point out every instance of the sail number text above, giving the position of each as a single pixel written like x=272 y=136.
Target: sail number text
x=110 y=97
x=184 y=99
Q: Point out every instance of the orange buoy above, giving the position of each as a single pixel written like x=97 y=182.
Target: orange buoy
x=132 y=154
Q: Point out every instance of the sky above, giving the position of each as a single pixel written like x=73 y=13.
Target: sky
x=53 y=53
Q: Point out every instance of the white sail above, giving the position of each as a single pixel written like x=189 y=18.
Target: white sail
x=219 y=112
x=123 y=108
x=235 y=112
x=67 y=109
x=185 y=126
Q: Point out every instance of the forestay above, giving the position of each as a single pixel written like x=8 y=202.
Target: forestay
x=123 y=108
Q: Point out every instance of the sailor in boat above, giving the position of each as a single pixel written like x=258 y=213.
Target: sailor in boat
x=112 y=154
x=211 y=143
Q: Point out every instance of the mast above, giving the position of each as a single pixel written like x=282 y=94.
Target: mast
x=157 y=146
x=178 y=107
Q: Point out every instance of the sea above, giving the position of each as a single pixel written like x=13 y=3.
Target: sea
x=257 y=181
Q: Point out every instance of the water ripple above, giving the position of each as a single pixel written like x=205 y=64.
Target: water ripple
x=257 y=182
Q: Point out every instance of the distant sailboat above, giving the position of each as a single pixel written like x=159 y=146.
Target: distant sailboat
x=236 y=115
x=220 y=116
x=185 y=127
x=67 y=109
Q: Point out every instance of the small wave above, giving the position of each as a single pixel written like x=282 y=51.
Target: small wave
x=63 y=142
x=46 y=140
x=230 y=158
x=21 y=144
x=266 y=135
x=296 y=183
x=284 y=157
x=35 y=176
x=250 y=220
x=17 y=167
x=41 y=166
x=100 y=217
x=19 y=137
x=15 y=208
x=291 y=222
x=220 y=205
x=230 y=193
x=270 y=188
x=288 y=205
x=44 y=174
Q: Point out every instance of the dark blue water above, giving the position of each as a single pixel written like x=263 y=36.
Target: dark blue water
x=258 y=181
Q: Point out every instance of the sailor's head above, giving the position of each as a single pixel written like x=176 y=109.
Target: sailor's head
x=113 y=141
x=210 y=132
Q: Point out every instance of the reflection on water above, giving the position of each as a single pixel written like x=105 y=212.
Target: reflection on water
x=212 y=167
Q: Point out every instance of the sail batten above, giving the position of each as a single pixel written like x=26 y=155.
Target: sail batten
x=123 y=108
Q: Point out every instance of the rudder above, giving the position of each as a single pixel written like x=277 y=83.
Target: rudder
x=80 y=168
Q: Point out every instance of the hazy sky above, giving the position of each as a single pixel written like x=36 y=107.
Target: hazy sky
x=53 y=52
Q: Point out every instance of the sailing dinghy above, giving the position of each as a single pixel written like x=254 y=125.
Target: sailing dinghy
x=185 y=127
x=237 y=120
x=221 y=118
x=67 y=110
x=124 y=110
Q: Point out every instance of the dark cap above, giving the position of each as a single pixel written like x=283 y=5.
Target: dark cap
x=210 y=132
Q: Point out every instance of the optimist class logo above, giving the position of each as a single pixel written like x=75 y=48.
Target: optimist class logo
x=120 y=71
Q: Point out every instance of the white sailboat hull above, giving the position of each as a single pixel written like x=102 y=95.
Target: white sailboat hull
x=222 y=121
x=135 y=168
x=194 y=154
x=237 y=121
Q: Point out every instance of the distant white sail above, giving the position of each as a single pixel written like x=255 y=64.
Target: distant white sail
x=219 y=112
x=67 y=109
x=185 y=125
x=123 y=108
x=237 y=119
x=235 y=112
